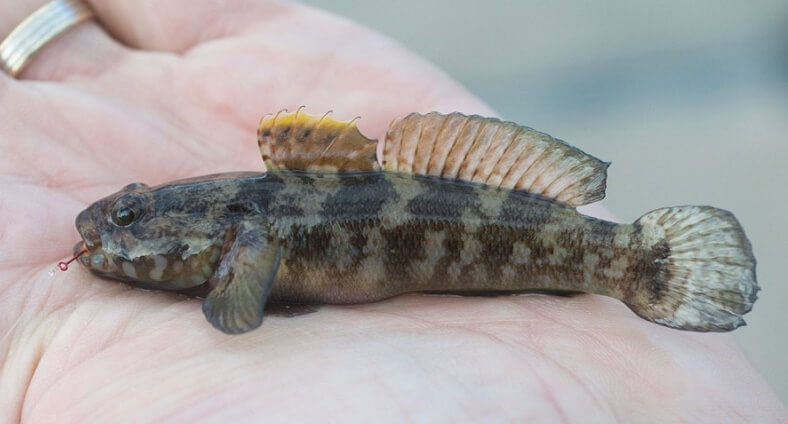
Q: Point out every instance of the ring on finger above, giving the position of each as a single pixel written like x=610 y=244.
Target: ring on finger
x=38 y=30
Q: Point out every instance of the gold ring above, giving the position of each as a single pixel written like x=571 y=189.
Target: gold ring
x=37 y=30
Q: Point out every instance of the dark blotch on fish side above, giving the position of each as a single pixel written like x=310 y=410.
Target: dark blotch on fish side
x=363 y=193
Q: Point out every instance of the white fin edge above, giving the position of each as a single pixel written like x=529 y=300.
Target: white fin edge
x=710 y=280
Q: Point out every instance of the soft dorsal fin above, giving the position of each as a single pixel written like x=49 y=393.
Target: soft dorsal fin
x=300 y=141
x=493 y=152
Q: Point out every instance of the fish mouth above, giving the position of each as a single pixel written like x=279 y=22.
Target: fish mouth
x=93 y=258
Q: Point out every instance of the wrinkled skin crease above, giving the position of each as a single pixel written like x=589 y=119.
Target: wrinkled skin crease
x=76 y=348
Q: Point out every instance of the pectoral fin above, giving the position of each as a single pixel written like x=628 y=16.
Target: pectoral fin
x=242 y=282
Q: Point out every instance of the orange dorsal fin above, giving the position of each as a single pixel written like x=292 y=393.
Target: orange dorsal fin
x=304 y=142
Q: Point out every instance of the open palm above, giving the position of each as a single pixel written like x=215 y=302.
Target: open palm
x=92 y=115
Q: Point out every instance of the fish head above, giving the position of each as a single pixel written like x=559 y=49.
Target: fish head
x=157 y=238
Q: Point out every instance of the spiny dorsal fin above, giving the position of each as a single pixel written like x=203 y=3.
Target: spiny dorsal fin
x=300 y=141
x=493 y=152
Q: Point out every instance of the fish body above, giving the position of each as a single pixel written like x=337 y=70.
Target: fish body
x=319 y=229
x=362 y=237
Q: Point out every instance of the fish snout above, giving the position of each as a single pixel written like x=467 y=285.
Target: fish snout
x=80 y=246
x=87 y=229
x=94 y=258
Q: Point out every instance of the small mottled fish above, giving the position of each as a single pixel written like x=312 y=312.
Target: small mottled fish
x=457 y=204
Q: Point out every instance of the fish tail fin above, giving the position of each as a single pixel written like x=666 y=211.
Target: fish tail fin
x=706 y=280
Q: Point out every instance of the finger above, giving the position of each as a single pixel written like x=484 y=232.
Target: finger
x=80 y=48
x=177 y=25
x=85 y=50
x=315 y=53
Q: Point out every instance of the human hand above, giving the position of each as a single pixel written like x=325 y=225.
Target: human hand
x=91 y=115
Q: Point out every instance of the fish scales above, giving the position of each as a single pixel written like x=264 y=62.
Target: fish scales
x=456 y=204
x=440 y=239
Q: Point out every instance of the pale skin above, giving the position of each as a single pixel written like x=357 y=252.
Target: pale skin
x=92 y=114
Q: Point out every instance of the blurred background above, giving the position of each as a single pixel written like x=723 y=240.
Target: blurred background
x=689 y=100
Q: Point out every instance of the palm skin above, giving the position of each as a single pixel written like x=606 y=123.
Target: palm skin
x=75 y=348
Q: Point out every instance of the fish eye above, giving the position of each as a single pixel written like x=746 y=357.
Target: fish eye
x=133 y=186
x=127 y=209
x=124 y=216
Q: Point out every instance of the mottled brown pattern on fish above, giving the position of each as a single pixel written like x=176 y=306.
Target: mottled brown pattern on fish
x=447 y=237
x=326 y=226
x=359 y=237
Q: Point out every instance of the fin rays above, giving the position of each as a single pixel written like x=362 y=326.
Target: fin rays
x=454 y=146
x=710 y=280
x=493 y=152
x=300 y=141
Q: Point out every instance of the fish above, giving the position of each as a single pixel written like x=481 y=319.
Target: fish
x=453 y=204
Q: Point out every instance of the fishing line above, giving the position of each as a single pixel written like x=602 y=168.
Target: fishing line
x=63 y=265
